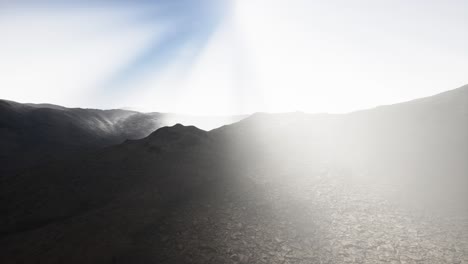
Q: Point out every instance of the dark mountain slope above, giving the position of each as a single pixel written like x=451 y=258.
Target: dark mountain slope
x=31 y=134
x=69 y=188
x=142 y=179
x=273 y=188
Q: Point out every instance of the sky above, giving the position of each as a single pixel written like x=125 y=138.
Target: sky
x=222 y=57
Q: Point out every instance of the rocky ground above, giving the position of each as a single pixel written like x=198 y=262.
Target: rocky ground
x=270 y=215
x=320 y=219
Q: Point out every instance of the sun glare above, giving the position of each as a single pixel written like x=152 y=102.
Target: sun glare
x=230 y=57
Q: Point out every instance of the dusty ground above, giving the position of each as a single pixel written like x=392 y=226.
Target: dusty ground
x=320 y=219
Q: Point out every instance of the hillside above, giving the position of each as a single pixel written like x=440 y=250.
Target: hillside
x=374 y=186
x=31 y=134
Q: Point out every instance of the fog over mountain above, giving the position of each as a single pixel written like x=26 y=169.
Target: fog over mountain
x=384 y=185
x=31 y=134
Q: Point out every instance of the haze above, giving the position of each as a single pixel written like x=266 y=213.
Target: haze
x=231 y=57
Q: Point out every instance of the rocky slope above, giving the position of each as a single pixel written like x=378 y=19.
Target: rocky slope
x=385 y=185
x=31 y=134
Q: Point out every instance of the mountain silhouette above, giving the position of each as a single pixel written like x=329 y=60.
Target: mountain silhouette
x=272 y=188
x=31 y=134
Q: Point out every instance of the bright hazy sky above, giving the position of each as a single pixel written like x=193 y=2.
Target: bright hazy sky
x=229 y=57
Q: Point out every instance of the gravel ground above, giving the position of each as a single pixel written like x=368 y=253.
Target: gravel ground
x=323 y=218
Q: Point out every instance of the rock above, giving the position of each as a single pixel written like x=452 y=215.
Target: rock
x=414 y=257
x=235 y=257
x=243 y=258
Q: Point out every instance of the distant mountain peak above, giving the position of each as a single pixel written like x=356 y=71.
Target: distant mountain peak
x=177 y=129
x=175 y=137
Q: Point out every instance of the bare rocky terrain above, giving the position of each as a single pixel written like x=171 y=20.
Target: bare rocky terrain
x=386 y=185
x=320 y=219
x=33 y=134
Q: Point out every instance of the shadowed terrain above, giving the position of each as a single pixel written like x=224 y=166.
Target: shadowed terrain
x=385 y=185
x=31 y=134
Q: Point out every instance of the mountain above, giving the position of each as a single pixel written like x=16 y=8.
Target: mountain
x=378 y=185
x=142 y=179
x=421 y=144
x=31 y=134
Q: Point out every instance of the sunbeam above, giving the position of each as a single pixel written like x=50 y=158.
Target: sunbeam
x=233 y=131
x=265 y=55
x=189 y=23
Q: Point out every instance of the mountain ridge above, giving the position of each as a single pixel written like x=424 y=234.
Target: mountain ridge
x=35 y=134
x=118 y=203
